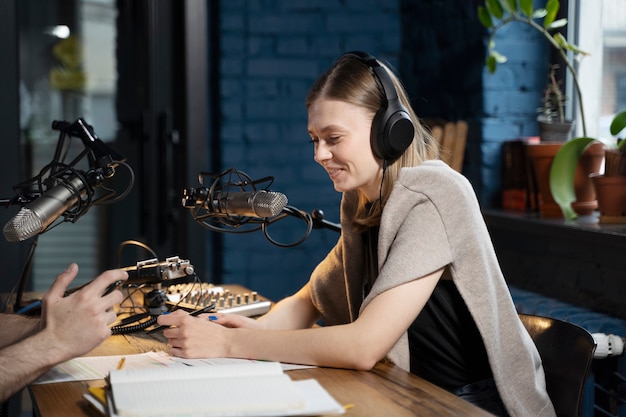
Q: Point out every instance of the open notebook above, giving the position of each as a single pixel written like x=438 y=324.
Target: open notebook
x=241 y=389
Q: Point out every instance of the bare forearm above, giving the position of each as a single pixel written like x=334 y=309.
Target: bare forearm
x=14 y=328
x=295 y=312
x=24 y=362
x=344 y=346
x=356 y=345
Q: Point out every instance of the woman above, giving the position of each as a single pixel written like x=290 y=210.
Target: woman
x=413 y=277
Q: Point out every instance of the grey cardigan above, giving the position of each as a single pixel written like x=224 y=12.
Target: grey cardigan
x=431 y=220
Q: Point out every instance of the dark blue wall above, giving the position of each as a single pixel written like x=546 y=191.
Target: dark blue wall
x=271 y=52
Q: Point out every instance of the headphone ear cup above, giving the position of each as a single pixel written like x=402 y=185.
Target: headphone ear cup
x=377 y=135
x=392 y=131
x=392 y=128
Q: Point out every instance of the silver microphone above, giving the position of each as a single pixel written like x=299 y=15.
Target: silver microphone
x=261 y=203
x=38 y=215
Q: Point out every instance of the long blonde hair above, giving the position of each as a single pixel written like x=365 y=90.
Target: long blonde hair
x=351 y=80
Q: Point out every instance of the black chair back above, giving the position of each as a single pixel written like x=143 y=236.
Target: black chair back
x=566 y=351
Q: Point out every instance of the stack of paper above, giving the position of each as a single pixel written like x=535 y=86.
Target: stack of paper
x=240 y=389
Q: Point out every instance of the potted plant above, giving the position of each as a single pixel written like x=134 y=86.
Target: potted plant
x=494 y=15
x=610 y=187
x=553 y=126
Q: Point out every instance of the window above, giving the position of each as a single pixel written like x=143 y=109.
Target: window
x=600 y=29
x=68 y=70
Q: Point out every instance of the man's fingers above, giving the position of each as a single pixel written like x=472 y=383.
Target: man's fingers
x=63 y=280
x=108 y=281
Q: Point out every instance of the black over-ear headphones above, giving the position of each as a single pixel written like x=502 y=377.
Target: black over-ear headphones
x=392 y=127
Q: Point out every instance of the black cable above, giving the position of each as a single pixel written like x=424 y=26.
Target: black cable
x=134 y=328
x=306 y=217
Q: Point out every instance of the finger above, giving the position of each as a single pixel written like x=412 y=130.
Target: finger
x=227 y=320
x=174 y=351
x=171 y=319
x=106 y=282
x=171 y=333
x=111 y=317
x=62 y=281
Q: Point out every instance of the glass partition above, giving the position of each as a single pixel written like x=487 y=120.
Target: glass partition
x=67 y=71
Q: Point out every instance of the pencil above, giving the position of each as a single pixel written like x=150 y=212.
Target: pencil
x=120 y=364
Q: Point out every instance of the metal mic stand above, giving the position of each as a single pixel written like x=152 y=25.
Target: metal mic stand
x=102 y=162
x=319 y=222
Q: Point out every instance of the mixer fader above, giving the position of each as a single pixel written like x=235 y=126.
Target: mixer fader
x=193 y=296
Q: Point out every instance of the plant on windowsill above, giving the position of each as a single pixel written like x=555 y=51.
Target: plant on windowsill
x=611 y=186
x=504 y=12
x=553 y=126
x=556 y=182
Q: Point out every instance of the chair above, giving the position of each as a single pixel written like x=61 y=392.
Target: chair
x=566 y=351
x=451 y=138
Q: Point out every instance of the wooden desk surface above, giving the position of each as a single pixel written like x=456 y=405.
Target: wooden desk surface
x=386 y=390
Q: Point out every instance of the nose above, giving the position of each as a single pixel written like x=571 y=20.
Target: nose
x=322 y=152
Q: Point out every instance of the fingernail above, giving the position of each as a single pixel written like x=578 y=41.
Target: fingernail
x=213 y=318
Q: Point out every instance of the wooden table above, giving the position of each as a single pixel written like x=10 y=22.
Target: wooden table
x=386 y=390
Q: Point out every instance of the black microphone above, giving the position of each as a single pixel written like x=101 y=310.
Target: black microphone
x=261 y=203
x=38 y=215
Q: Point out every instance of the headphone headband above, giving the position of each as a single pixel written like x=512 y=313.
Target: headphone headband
x=392 y=127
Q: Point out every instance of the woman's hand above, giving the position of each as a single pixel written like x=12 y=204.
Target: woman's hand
x=234 y=321
x=204 y=336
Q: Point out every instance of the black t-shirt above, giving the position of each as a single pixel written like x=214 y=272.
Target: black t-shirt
x=444 y=343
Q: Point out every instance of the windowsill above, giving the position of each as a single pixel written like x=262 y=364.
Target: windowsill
x=586 y=228
x=578 y=262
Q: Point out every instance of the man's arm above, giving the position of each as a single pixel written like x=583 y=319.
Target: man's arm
x=72 y=326
x=24 y=361
x=14 y=328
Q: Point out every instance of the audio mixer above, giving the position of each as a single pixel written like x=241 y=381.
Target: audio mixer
x=193 y=296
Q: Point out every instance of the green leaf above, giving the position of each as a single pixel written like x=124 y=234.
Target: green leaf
x=484 y=17
x=563 y=43
x=493 y=6
x=539 y=13
x=557 y=24
x=509 y=5
x=491 y=64
x=618 y=123
x=527 y=7
x=562 y=174
x=500 y=59
x=552 y=7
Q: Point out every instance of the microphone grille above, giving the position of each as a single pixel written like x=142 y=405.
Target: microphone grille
x=269 y=204
x=25 y=224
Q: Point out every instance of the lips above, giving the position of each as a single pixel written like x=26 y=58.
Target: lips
x=333 y=172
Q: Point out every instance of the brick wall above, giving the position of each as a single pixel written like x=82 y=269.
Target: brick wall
x=511 y=98
x=271 y=52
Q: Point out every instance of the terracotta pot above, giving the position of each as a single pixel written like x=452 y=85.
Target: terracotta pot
x=541 y=156
x=589 y=163
x=611 y=193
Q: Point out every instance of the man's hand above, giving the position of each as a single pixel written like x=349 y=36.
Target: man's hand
x=80 y=322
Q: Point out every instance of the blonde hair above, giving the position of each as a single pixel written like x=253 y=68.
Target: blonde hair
x=351 y=80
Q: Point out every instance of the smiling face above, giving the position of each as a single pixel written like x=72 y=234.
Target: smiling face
x=340 y=133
